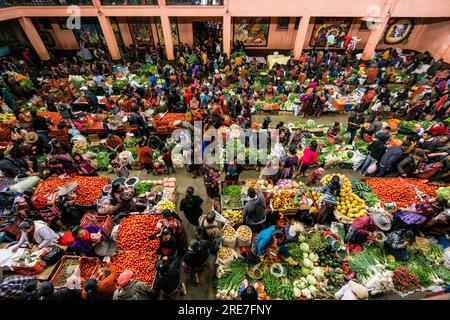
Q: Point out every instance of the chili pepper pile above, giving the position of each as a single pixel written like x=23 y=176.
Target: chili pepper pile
x=87 y=192
x=404 y=281
x=399 y=190
x=87 y=268
x=138 y=252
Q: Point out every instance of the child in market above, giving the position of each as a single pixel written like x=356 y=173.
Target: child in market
x=315 y=175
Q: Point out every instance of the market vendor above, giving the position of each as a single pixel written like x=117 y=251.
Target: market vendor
x=269 y=240
x=289 y=163
x=269 y=91
x=309 y=158
x=254 y=211
x=84 y=165
x=129 y=288
x=333 y=133
x=331 y=191
x=362 y=227
x=114 y=143
x=124 y=200
x=248 y=291
x=396 y=243
x=420 y=213
x=13 y=288
x=36 y=233
x=169 y=281
x=172 y=221
x=106 y=278
x=86 y=238
x=168 y=245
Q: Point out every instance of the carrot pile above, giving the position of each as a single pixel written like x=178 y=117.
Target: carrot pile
x=87 y=192
x=138 y=252
x=399 y=190
x=54 y=117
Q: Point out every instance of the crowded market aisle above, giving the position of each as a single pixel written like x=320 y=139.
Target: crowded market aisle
x=351 y=203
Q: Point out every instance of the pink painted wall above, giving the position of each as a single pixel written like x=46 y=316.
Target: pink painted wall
x=435 y=38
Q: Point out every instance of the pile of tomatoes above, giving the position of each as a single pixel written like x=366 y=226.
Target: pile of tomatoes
x=87 y=268
x=399 y=190
x=138 y=253
x=87 y=192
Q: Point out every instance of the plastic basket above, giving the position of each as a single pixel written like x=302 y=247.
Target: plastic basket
x=59 y=270
x=80 y=261
x=105 y=222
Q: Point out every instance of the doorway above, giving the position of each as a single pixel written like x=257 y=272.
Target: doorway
x=208 y=33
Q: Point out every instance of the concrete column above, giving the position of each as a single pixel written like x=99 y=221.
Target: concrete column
x=168 y=41
x=377 y=32
x=125 y=31
x=34 y=38
x=110 y=38
x=301 y=36
x=444 y=50
x=227 y=34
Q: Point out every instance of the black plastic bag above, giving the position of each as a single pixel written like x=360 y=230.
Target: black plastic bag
x=52 y=257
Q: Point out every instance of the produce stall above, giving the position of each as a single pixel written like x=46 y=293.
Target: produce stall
x=136 y=252
x=401 y=192
x=161 y=193
x=316 y=273
x=382 y=274
x=86 y=267
x=87 y=192
x=167 y=122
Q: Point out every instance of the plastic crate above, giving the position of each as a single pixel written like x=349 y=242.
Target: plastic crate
x=105 y=222
x=4 y=237
x=11 y=227
x=80 y=261
x=5 y=184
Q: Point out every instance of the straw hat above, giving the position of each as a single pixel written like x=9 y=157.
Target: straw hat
x=382 y=221
x=359 y=290
x=31 y=137
x=69 y=187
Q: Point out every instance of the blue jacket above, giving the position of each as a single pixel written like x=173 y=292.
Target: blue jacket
x=264 y=240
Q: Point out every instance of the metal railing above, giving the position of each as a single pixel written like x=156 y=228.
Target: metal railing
x=194 y=2
x=15 y=3
x=129 y=2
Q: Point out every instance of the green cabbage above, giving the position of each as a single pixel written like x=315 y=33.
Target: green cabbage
x=304 y=247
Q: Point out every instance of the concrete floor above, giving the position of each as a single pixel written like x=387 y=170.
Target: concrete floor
x=206 y=289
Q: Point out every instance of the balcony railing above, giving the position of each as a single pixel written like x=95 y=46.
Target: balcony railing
x=14 y=3
x=194 y=2
x=129 y=2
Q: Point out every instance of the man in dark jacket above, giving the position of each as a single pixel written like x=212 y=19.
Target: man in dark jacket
x=390 y=158
x=169 y=280
x=411 y=164
x=355 y=120
x=377 y=149
x=91 y=98
x=136 y=120
x=255 y=210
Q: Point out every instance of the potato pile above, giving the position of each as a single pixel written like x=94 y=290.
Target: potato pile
x=229 y=233
x=244 y=233
x=225 y=253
